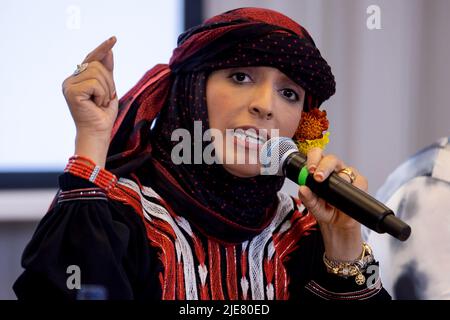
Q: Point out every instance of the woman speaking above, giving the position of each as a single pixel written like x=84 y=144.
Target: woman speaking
x=142 y=225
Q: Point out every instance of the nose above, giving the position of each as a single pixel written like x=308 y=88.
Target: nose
x=262 y=102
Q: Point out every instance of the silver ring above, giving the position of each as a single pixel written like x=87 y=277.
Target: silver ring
x=80 y=68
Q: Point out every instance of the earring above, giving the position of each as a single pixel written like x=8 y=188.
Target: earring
x=311 y=130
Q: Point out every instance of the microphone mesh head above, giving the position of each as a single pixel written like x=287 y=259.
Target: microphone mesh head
x=273 y=154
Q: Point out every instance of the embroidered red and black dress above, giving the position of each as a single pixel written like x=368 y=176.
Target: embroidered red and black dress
x=135 y=248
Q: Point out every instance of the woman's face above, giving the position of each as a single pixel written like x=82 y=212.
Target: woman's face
x=252 y=99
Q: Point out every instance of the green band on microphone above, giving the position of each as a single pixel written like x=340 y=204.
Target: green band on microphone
x=302 y=175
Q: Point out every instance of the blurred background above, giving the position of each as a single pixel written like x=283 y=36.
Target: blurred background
x=389 y=57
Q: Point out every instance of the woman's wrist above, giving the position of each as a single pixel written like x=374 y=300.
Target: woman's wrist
x=342 y=244
x=86 y=168
x=92 y=146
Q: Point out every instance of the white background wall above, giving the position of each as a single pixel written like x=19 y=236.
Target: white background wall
x=43 y=41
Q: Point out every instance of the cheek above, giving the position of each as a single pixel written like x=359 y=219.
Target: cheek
x=213 y=102
x=220 y=101
x=289 y=122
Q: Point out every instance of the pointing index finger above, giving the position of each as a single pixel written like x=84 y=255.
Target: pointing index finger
x=101 y=51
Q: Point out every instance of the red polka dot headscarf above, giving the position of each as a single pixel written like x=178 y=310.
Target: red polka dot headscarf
x=219 y=204
x=257 y=37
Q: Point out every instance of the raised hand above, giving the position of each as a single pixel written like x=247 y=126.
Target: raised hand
x=92 y=100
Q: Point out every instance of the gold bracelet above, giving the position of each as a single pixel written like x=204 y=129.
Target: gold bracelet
x=351 y=268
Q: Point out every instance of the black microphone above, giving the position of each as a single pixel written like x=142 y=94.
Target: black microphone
x=280 y=156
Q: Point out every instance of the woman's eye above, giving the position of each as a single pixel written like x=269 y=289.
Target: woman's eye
x=290 y=94
x=240 y=77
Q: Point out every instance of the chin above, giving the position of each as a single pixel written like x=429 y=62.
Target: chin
x=243 y=170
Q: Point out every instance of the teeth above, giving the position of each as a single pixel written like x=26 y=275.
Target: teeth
x=250 y=136
x=251 y=133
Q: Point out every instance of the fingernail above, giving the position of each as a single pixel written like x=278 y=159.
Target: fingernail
x=318 y=175
x=312 y=168
x=112 y=38
x=113 y=96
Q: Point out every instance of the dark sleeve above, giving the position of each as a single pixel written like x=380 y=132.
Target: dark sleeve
x=102 y=239
x=311 y=281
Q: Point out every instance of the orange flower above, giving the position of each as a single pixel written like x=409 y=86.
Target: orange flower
x=312 y=125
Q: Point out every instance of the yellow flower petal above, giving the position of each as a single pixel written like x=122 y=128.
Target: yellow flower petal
x=307 y=145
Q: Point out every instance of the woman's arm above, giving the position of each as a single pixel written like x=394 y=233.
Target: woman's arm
x=344 y=255
x=341 y=233
x=310 y=279
x=92 y=100
x=87 y=239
